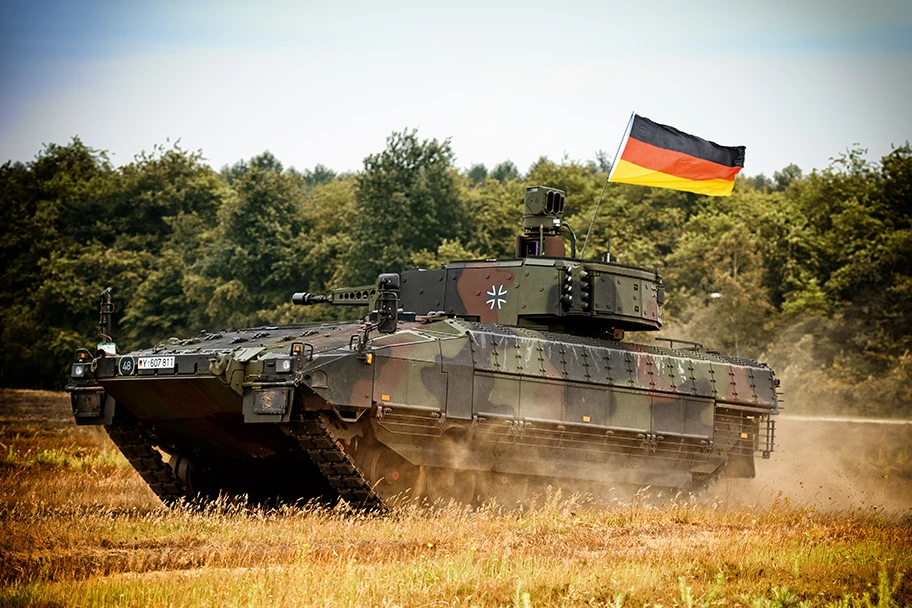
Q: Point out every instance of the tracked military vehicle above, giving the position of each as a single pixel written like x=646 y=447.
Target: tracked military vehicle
x=485 y=379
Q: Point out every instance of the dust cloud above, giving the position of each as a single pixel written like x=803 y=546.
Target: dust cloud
x=832 y=464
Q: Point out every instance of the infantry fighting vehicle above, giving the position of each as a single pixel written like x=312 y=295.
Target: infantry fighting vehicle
x=482 y=379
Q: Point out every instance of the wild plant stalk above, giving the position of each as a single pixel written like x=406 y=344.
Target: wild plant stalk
x=78 y=526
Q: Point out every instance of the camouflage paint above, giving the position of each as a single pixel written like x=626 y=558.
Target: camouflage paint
x=524 y=379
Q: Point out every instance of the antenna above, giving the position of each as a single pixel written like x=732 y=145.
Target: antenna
x=607 y=177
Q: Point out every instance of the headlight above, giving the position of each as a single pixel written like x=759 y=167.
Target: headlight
x=78 y=371
x=284 y=365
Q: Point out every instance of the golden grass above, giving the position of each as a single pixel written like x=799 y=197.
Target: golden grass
x=80 y=528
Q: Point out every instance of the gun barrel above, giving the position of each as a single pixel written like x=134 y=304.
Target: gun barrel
x=306 y=299
x=344 y=296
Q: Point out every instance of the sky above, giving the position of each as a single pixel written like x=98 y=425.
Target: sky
x=328 y=82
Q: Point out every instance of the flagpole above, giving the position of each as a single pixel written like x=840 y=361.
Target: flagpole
x=610 y=169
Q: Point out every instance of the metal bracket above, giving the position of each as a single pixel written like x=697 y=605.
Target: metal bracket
x=672 y=341
x=650 y=442
x=517 y=428
x=357 y=417
x=440 y=417
x=606 y=443
x=354 y=342
x=563 y=431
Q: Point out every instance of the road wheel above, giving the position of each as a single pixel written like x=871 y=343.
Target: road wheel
x=446 y=484
x=510 y=491
x=392 y=477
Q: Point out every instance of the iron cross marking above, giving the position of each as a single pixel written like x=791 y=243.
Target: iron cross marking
x=497 y=297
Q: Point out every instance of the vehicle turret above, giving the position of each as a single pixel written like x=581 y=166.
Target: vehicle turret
x=540 y=288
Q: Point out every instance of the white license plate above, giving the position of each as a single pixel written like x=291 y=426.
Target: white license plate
x=156 y=363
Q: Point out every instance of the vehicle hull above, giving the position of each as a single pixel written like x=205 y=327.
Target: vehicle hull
x=442 y=399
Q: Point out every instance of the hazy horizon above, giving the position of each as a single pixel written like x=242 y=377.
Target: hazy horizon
x=327 y=84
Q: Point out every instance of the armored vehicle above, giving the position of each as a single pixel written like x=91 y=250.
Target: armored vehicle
x=484 y=379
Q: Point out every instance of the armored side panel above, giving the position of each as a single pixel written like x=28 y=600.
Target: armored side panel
x=546 y=400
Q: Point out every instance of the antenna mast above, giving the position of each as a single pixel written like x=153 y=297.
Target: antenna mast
x=602 y=195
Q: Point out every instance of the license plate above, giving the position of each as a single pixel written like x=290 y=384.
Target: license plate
x=156 y=363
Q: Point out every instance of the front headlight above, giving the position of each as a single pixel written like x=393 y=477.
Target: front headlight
x=284 y=365
x=78 y=371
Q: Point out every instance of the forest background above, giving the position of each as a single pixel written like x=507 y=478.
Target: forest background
x=809 y=273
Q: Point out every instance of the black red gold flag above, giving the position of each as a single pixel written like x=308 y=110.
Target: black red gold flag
x=664 y=157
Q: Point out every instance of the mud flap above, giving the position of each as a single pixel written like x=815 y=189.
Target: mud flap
x=741 y=466
x=92 y=407
x=267 y=405
x=708 y=468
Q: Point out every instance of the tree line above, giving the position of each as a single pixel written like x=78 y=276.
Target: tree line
x=812 y=273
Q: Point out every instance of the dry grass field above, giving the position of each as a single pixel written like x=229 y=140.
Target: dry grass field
x=821 y=526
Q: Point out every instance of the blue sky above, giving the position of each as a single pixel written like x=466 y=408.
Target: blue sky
x=328 y=82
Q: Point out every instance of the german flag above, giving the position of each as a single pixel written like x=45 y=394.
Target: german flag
x=663 y=157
